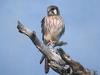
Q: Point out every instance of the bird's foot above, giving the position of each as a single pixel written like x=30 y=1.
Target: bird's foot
x=51 y=43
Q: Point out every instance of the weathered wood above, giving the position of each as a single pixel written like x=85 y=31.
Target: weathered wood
x=56 y=62
x=59 y=61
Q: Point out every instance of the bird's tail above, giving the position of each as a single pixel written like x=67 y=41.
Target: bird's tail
x=61 y=43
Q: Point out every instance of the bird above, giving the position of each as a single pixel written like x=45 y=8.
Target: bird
x=52 y=28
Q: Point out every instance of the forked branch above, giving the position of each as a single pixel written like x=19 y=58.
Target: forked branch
x=60 y=62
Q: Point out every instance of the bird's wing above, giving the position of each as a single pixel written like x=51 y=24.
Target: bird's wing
x=62 y=27
x=43 y=28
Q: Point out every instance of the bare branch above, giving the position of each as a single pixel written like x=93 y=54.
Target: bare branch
x=60 y=62
x=56 y=62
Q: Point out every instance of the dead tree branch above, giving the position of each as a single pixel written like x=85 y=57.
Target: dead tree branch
x=60 y=62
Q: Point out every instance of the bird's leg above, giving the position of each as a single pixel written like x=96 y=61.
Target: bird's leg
x=51 y=43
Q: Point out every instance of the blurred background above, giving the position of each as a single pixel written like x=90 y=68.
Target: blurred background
x=18 y=55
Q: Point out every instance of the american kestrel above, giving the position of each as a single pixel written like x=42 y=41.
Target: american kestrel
x=52 y=29
x=52 y=26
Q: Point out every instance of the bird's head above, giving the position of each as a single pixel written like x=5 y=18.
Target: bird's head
x=53 y=10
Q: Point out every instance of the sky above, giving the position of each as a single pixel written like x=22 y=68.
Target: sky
x=18 y=55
